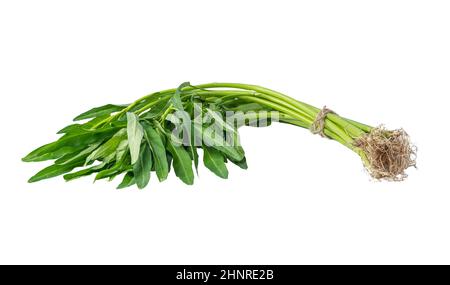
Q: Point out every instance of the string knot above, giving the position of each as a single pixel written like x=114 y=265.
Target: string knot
x=318 y=125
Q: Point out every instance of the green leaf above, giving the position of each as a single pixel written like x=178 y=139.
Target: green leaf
x=135 y=134
x=128 y=180
x=169 y=160
x=84 y=172
x=100 y=111
x=119 y=167
x=78 y=154
x=159 y=151
x=143 y=166
x=55 y=170
x=232 y=152
x=194 y=156
x=82 y=128
x=108 y=147
x=214 y=161
x=68 y=144
x=54 y=154
x=70 y=128
x=193 y=148
x=176 y=98
x=122 y=149
x=242 y=163
x=182 y=163
x=108 y=173
x=112 y=176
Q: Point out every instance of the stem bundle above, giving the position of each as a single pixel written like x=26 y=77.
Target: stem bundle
x=137 y=138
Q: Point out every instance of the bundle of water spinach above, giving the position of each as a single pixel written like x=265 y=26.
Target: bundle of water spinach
x=164 y=130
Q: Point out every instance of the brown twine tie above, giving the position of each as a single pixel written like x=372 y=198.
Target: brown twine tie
x=318 y=126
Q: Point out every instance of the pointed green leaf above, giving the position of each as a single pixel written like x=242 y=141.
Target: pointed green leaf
x=100 y=111
x=61 y=152
x=84 y=172
x=182 y=163
x=121 y=165
x=242 y=163
x=108 y=173
x=69 y=128
x=143 y=166
x=176 y=98
x=122 y=149
x=69 y=143
x=77 y=155
x=214 y=161
x=159 y=151
x=169 y=160
x=54 y=170
x=193 y=148
x=194 y=156
x=82 y=128
x=128 y=180
x=135 y=134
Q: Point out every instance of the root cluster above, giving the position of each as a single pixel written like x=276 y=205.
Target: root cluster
x=389 y=153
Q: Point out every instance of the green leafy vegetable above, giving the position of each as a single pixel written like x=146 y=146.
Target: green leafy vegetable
x=164 y=130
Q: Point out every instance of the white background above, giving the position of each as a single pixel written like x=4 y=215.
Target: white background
x=303 y=200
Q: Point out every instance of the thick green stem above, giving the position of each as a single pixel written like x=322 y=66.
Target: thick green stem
x=345 y=129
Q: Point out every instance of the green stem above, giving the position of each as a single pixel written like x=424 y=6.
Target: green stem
x=339 y=125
